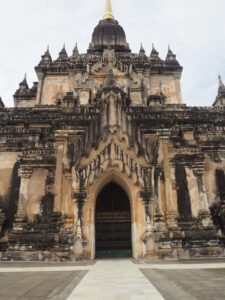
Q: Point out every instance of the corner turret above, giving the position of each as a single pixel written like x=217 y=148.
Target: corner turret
x=25 y=96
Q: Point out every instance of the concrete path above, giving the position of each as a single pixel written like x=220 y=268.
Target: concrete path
x=115 y=279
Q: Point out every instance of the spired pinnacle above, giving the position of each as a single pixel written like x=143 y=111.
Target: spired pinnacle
x=24 y=82
x=108 y=11
x=220 y=82
x=75 y=51
x=142 y=50
x=221 y=89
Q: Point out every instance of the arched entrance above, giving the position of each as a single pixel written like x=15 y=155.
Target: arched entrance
x=113 y=223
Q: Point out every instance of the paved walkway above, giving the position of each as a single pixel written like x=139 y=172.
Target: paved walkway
x=115 y=279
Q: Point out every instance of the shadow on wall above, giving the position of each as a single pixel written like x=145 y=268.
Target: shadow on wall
x=46 y=208
x=217 y=209
x=183 y=196
x=12 y=199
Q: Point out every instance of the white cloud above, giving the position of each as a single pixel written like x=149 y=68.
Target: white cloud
x=194 y=29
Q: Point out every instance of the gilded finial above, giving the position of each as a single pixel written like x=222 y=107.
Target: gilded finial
x=108 y=11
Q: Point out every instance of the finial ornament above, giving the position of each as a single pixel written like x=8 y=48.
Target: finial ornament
x=108 y=11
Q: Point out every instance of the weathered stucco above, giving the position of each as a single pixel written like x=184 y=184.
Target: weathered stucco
x=105 y=116
x=54 y=88
x=36 y=192
x=7 y=162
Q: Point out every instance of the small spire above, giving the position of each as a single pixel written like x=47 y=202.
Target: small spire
x=220 y=99
x=221 y=84
x=108 y=11
x=75 y=51
x=47 y=53
x=46 y=58
x=2 y=105
x=170 y=55
x=154 y=54
x=23 y=84
x=63 y=53
x=142 y=50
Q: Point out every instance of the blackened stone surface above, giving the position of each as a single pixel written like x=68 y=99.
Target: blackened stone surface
x=204 y=284
x=13 y=198
x=107 y=34
x=220 y=181
x=183 y=196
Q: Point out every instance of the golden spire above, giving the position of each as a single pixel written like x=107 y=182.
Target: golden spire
x=108 y=11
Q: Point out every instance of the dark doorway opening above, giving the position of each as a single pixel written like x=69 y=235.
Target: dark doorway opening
x=113 y=223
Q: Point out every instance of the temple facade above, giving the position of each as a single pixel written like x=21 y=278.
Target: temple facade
x=101 y=158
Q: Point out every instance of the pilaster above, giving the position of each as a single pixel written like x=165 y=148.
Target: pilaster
x=68 y=200
x=25 y=174
x=80 y=242
x=170 y=210
x=204 y=214
x=59 y=173
x=159 y=219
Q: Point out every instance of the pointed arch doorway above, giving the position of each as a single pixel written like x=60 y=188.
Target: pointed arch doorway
x=113 y=223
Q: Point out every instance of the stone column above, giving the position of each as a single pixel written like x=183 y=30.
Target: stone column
x=80 y=241
x=25 y=174
x=147 y=196
x=147 y=237
x=59 y=174
x=204 y=213
x=158 y=214
x=170 y=210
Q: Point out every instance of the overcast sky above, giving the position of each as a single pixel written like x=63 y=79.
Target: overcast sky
x=195 y=30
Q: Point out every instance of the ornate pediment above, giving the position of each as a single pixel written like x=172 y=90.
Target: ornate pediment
x=111 y=154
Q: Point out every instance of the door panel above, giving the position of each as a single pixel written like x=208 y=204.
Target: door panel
x=113 y=223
